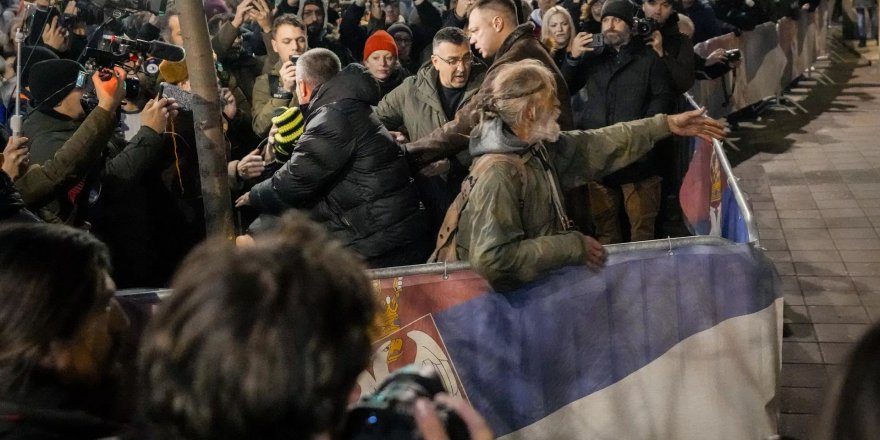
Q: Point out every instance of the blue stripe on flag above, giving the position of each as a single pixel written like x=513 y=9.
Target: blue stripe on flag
x=525 y=354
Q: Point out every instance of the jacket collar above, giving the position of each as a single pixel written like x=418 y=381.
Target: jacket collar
x=428 y=84
x=525 y=30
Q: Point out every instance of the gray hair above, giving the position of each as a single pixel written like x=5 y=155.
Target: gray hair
x=451 y=35
x=317 y=66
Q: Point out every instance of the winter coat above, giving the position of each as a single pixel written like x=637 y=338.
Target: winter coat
x=510 y=241
x=12 y=208
x=624 y=86
x=679 y=55
x=265 y=101
x=414 y=107
x=74 y=152
x=348 y=171
x=452 y=137
x=706 y=25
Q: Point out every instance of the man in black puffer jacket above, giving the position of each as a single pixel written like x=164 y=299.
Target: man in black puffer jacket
x=347 y=170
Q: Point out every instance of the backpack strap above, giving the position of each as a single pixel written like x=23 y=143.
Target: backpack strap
x=445 y=249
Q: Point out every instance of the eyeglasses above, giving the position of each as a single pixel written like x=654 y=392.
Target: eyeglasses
x=466 y=60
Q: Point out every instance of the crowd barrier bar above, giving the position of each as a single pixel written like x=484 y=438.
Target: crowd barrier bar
x=668 y=244
x=733 y=182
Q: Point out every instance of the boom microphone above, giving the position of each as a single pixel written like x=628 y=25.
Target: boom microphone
x=156 y=48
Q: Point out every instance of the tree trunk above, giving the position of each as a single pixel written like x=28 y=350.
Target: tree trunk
x=210 y=141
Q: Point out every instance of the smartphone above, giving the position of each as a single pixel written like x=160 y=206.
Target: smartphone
x=293 y=58
x=183 y=98
x=598 y=41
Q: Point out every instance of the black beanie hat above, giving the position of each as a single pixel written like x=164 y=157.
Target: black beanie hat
x=33 y=55
x=622 y=9
x=52 y=80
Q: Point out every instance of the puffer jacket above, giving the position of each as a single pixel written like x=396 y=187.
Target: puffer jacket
x=510 y=241
x=348 y=171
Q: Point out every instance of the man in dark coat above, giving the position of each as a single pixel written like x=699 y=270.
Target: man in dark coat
x=627 y=81
x=347 y=171
x=674 y=48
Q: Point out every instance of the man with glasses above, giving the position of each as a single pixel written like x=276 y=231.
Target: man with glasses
x=428 y=100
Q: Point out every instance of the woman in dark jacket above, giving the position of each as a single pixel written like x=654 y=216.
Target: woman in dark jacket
x=380 y=58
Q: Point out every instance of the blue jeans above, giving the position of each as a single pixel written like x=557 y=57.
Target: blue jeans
x=860 y=22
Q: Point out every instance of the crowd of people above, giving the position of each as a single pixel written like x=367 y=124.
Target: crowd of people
x=520 y=137
x=360 y=115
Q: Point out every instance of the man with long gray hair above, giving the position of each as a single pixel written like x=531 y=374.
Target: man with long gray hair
x=509 y=220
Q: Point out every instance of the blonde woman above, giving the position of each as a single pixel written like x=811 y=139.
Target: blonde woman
x=557 y=32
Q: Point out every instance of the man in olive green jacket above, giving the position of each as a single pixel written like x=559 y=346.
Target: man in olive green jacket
x=512 y=227
x=426 y=101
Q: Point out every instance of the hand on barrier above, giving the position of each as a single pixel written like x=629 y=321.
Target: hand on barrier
x=596 y=253
x=696 y=123
x=431 y=427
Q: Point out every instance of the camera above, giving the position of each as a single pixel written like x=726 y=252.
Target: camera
x=644 y=27
x=733 y=55
x=388 y=413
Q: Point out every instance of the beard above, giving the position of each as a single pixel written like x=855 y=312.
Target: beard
x=546 y=130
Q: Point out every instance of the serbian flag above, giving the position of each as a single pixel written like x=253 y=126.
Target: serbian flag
x=707 y=201
x=669 y=344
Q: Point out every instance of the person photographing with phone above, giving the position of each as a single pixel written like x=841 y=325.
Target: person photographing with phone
x=276 y=88
x=624 y=82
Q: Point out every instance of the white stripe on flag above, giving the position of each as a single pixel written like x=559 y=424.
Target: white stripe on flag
x=719 y=384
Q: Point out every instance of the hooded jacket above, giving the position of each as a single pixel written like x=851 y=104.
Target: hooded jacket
x=348 y=171
x=452 y=137
x=511 y=241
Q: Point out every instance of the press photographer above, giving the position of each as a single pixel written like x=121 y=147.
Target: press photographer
x=99 y=187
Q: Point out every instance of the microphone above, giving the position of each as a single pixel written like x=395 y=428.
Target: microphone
x=156 y=48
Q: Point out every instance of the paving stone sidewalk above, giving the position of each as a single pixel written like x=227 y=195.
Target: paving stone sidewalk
x=815 y=184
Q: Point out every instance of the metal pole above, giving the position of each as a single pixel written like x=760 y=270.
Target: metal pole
x=210 y=142
x=733 y=183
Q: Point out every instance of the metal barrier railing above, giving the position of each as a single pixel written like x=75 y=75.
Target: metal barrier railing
x=733 y=183
x=668 y=244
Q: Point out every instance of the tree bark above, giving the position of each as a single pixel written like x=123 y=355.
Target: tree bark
x=210 y=140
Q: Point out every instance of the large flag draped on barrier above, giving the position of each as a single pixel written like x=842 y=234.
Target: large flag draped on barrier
x=680 y=344
x=707 y=201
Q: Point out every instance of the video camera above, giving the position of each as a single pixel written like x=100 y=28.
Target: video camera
x=388 y=413
x=121 y=53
